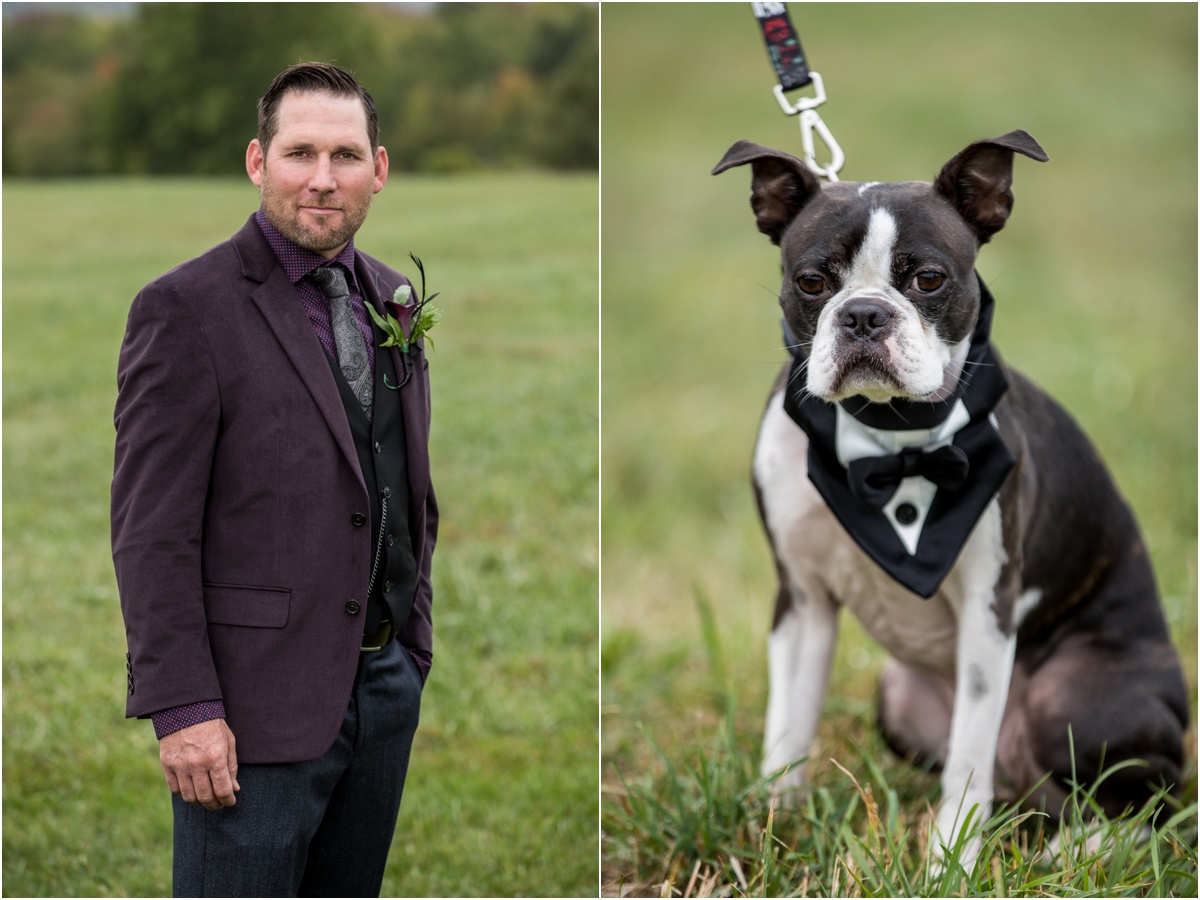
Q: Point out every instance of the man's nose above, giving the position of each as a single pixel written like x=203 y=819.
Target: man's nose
x=322 y=178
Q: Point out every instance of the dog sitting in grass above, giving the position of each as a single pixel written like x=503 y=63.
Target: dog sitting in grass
x=905 y=472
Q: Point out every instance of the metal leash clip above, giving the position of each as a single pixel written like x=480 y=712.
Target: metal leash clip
x=811 y=123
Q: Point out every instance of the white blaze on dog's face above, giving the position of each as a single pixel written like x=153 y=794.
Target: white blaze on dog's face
x=879 y=288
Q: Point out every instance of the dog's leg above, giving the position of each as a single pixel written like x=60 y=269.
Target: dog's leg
x=800 y=655
x=983 y=672
x=804 y=632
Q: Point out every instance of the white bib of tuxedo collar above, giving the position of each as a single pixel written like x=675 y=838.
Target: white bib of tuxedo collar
x=854 y=440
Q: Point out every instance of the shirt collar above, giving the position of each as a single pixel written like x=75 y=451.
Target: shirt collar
x=296 y=260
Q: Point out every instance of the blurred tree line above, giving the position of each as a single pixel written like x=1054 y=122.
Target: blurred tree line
x=172 y=88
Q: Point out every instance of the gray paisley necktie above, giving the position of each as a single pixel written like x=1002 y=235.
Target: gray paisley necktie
x=351 y=348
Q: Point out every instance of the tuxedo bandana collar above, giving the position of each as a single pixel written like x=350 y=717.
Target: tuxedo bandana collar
x=909 y=480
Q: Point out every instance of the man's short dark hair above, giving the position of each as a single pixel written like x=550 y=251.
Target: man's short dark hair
x=317 y=78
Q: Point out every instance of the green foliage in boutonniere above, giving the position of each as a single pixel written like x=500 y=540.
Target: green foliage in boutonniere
x=407 y=320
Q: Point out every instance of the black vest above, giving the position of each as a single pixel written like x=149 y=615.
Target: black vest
x=382 y=457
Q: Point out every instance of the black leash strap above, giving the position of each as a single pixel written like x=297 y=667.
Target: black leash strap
x=783 y=45
x=787 y=56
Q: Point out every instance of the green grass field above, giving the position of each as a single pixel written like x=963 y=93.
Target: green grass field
x=502 y=797
x=1095 y=281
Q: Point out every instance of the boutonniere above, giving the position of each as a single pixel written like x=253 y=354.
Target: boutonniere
x=406 y=320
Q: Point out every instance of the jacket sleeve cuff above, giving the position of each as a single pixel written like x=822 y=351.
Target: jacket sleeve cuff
x=168 y=721
x=423 y=660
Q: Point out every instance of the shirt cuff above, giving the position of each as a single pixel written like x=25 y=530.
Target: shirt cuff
x=168 y=721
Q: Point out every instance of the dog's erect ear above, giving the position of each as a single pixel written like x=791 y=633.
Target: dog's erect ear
x=780 y=185
x=978 y=181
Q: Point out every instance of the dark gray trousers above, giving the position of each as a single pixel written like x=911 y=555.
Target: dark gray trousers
x=314 y=829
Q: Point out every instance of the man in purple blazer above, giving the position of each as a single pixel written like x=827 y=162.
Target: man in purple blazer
x=273 y=520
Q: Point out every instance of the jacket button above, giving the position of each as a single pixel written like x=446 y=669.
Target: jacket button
x=358 y=519
x=352 y=607
x=906 y=514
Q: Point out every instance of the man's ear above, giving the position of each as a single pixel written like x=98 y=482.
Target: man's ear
x=254 y=162
x=381 y=168
x=978 y=181
x=780 y=185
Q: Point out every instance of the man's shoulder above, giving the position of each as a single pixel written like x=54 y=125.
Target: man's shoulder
x=212 y=264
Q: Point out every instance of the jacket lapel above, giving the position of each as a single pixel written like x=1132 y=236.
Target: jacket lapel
x=276 y=299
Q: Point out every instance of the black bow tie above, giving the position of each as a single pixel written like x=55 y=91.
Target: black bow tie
x=875 y=479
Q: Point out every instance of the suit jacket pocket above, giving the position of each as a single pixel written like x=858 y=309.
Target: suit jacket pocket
x=249 y=605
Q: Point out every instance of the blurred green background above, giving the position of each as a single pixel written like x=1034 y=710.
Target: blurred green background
x=135 y=88
x=1094 y=277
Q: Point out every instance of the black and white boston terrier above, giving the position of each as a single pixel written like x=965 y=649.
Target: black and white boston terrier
x=904 y=471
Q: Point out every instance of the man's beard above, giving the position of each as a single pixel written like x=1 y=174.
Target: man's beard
x=284 y=215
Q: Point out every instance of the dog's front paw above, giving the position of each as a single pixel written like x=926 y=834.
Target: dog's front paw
x=957 y=835
x=788 y=786
x=964 y=851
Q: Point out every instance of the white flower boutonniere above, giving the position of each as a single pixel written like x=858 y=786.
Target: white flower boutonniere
x=406 y=320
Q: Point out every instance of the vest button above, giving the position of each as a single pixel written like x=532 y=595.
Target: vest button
x=391 y=539
x=387 y=492
x=358 y=519
x=352 y=607
x=378 y=449
x=906 y=514
x=387 y=587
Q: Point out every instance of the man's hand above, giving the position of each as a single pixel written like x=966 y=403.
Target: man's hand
x=200 y=764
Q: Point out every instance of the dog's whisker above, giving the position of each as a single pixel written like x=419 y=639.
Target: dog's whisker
x=969 y=366
x=796 y=375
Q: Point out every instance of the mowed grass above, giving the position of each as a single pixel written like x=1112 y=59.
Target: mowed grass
x=1095 y=282
x=502 y=796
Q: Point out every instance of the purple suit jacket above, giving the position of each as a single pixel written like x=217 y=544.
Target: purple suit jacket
x=235 y=490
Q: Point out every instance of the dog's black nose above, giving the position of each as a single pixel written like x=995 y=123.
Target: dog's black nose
x=866 y=319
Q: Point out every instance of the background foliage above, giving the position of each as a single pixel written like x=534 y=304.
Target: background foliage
x=1095 y=284
x=169 y=88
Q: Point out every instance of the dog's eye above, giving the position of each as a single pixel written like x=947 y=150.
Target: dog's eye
x=928 y=282
x=811 y=284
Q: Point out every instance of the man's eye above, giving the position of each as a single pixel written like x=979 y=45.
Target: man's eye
x=928 y=282
x=811 y=284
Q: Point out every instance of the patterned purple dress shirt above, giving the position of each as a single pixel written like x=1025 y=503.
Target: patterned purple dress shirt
x=297 y=263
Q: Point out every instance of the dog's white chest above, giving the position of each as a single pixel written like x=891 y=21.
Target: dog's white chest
x=819 y=556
